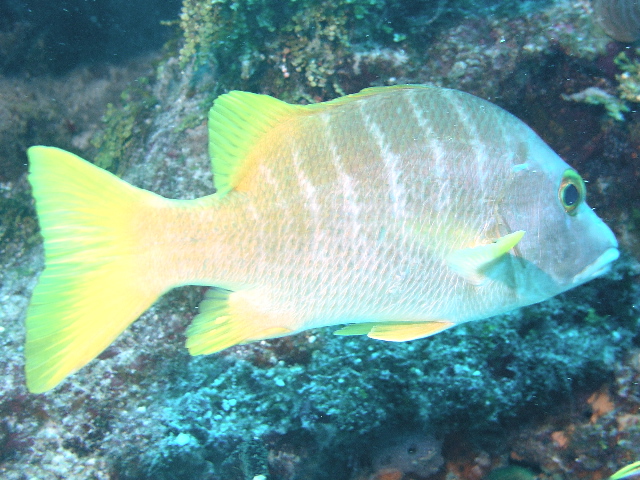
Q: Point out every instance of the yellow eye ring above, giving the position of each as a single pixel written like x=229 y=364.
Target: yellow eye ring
x=572 y=191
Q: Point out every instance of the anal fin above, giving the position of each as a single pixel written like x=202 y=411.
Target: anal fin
x=229 y=318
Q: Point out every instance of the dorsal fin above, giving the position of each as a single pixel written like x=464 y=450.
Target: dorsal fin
x=366 y=92
x=236 y=121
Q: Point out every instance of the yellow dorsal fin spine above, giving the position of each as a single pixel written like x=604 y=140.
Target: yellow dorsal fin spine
x=367 y=92
x=236 y=121
x=90 y=289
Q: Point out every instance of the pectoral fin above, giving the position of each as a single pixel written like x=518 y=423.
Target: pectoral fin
x=395 y=331
x=472 y=263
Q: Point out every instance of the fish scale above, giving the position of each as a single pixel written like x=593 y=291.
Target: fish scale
x=317 y=174
x=399 y=211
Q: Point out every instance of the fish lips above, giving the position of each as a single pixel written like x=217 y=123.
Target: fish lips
x=601 y=266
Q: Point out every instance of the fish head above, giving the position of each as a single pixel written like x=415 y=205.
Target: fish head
x=566 y=243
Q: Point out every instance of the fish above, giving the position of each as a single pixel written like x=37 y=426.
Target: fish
x=620 y=19
x=409 y=453
x=626 y=472
x=396 y=212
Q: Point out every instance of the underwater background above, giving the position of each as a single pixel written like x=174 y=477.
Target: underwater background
x=550 y=391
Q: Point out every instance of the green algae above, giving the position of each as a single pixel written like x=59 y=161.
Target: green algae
x=18 y=226
x=511 y=472
x=629 y=79
x=300 y=49
x=304 y=50
x=614 y=105
x=124 y=127
x=627 y=89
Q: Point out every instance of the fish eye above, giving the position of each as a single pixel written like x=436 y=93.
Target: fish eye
x=572 y=191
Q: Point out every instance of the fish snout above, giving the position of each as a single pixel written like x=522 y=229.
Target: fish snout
x=599 y=267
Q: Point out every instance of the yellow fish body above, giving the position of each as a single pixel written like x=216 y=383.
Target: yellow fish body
x=400 y=211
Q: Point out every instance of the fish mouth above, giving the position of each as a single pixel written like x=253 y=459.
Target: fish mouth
x=599 y=267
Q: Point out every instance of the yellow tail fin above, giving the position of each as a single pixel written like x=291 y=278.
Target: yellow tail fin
x=93 y=285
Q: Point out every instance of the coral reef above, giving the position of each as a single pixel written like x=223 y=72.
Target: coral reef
x=417 y=454
x=596 y=96
x=306 y=50
x=629 y=79
x=628 y=88
x=550 y=390
x=298 y=41
x=122 y=126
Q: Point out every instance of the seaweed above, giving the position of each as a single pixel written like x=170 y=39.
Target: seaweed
x=124 y=127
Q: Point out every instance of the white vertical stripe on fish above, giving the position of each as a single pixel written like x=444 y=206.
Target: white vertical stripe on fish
x=349 y=195
x=307 y=189
x=268 y=177
x=348 y=187
x=438 y=162
x=392 y=163
x=482 y=174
